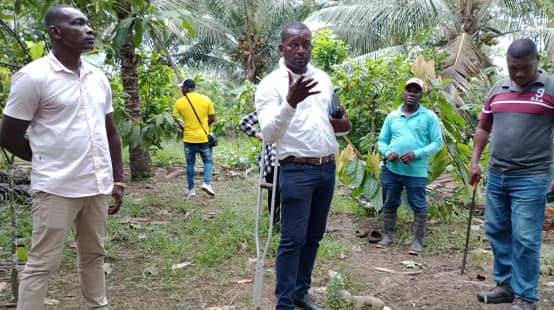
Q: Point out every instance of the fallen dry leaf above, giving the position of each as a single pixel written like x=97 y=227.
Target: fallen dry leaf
x=51 y=302
x=242 y=281
x=252 y=260
x=411 y=264
x=180 y=265
x=141 y=236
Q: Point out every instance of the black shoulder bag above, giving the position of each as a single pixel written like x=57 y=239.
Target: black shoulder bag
x=212 y=139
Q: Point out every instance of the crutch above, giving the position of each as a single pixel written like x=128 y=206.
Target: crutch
x=469 y=225
x=260 y=257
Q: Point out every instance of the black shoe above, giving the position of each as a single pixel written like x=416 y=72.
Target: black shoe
x=500 y=294
x=306 y=303
x=520 y=304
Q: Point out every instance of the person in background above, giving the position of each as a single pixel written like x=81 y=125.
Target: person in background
x=518 y=118
x=247 y=125
x=409 y=136
x=197 y=114
x=65 y=106
x=293 y=105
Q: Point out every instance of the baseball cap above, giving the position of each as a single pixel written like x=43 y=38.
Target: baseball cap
x=415 y=81
x=188 y=83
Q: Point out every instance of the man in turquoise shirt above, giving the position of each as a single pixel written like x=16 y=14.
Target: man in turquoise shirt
x=409 y=136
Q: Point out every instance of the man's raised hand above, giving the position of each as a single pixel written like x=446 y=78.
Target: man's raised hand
x=300 y=89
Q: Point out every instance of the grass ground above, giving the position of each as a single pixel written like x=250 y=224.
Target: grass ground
x=166 y=252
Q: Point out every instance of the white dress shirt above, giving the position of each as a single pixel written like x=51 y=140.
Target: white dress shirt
x=302 y=132
x=67 y=133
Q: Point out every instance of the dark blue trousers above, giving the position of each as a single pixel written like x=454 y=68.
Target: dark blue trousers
x=306 y=194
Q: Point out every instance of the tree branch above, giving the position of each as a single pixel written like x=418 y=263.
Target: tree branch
x=16 y=37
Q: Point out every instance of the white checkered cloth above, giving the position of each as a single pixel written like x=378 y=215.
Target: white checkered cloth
x=247 y=125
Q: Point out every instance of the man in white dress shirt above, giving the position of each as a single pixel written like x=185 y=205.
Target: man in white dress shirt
x=293 y=105
x=65 y=106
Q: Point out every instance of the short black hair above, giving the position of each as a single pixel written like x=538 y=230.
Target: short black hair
x=293 y=26
x=189 y=83
x=54 y=13
x=521 y=48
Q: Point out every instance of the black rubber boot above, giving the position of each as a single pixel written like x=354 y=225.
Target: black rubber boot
x=389 y=223
x=419 y=233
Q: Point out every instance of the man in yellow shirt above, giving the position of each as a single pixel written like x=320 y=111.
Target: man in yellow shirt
x=197 y=113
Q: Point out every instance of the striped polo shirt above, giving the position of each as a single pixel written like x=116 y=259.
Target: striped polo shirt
x=523 y=126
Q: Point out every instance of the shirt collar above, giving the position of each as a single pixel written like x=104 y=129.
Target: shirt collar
x=58 y=66
x=541 y=80
x=401 y=113
x=310 y=70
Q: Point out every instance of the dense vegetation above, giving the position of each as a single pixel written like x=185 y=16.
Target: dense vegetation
x=369 y=48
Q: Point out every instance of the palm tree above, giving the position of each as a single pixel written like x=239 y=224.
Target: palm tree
x=125 y=26
x=239 y=36
x=463 y=27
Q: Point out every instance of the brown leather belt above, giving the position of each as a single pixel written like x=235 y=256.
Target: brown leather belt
x=309 y=160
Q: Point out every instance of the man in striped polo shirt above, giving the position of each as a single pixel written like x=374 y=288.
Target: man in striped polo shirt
x=518 y=116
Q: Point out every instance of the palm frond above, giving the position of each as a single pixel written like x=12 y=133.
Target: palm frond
x=362 y=59
x=465 y=61
x=367 y=26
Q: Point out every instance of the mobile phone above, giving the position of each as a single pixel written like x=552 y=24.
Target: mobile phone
x=550 y=197
x=335 y=111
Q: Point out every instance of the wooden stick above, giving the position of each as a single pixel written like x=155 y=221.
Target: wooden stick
x=398 y=272
x=358 y=153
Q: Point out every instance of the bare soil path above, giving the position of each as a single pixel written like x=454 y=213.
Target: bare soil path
x=138 y=279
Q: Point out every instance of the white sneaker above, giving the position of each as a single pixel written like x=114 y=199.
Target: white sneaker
x=191 y=193
x=208 y=189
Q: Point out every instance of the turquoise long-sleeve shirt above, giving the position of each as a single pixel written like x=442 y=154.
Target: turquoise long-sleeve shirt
x=419 y=132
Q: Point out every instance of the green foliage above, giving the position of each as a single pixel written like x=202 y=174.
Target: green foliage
x=232 y=103
x=334 y=300
x=156 y=89
x=327 y=51
x=372 y=90
x=369 y=92
x=547 y=63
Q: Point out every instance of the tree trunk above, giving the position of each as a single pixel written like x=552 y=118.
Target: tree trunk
x=140 y=161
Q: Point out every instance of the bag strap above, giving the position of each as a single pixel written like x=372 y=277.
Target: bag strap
x=198 y=118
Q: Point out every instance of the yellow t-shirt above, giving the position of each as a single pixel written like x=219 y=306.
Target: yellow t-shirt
x=192 y=132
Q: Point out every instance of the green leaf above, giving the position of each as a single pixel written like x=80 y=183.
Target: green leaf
x=358 y=175
x=122 y=32
x=36 y=50
x=21 y=254
x=139 y=29
x=371 y=187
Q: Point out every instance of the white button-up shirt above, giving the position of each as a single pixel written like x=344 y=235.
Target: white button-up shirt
x=302 y=132
x=67 y=133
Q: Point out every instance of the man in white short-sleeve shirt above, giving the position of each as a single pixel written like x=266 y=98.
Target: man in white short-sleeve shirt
x=64 y=105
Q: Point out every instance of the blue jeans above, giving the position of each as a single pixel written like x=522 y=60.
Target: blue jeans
x=306 y=194
x=393 y=184
x=514 y=216
x=205 y=152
